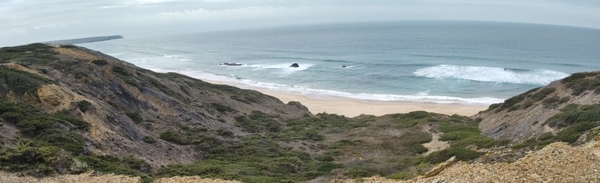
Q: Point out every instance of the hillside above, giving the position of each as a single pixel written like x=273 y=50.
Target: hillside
x=544 y=110
x=67 y=110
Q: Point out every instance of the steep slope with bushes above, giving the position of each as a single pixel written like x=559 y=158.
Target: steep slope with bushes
x=544 y=110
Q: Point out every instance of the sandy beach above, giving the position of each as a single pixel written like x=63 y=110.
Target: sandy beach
x=353 y=107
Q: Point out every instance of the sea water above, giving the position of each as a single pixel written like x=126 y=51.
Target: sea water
x=473 y=63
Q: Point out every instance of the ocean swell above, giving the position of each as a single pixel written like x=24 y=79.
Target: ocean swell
x=327 y=94
x=491 y=74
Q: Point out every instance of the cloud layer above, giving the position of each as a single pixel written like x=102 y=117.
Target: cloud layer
x=25 y=21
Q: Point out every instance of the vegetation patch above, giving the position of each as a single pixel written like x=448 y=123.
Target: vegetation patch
x=409 y=119
x=555 y=101
x=463 y=131
x=33 y=159
x=164 y=88
x=541 y=94
x=258 y=122
x=174 y=137
x=134 y=116
x=36 y=53
x=124 y=75
x=84 y=106
x=581 y=82
x=100 y=62
x=573 y=114
x=223 y=108
x=120 y=166
x=20 y=82
x=537 y=143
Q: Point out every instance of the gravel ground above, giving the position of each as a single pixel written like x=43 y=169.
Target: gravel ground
x=558 y=162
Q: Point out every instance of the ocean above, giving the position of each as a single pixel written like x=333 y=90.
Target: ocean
x=471 y=63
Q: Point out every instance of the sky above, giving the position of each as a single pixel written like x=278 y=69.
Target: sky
x=28 y=21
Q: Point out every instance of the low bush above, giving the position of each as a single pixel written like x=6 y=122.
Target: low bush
x=36 y=160
x=573 y=132
x=572 y=114
x=120 y=166
x=84 y=106
x=100 y=62
x=20 y=82
x=134 y=116
x=541 y=94
x=170 y=136
x=258 y=122
x=149 y=140
x=223 y=108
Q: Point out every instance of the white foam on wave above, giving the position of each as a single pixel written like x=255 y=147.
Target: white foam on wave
x=320 y=93
x=491 y=74
x=171 y=56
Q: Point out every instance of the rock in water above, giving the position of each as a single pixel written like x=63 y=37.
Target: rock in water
x=295 y=65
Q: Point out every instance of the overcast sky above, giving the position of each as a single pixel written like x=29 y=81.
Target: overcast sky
x=26 y=21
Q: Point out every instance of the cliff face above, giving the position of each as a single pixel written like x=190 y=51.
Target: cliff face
x=530 y=114
x=128 y=108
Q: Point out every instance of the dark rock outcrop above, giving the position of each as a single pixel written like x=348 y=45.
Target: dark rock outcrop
x=231 y=64
x=295 y=65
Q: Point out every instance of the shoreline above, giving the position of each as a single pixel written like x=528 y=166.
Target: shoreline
x=354 y=107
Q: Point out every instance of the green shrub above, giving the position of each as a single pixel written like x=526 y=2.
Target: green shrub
x=149 y=140
x=573 y=132
x=42 y=160
x=580 y=82
x=555 y=101
x=84 y=106
x=572 y=114
x=258 y=122
x=134 y=116
x=64 y=140
x=223 y=108
x=511 y=102
x=100 y=62
x=164 y=88
x=541 y=94
x=126 y=166
x=174 y=137
x=120 y=71
x=409 y=119
x=79 y=75
x=20 y=82
x=37 y=53
x=358 y=173
x=540 y=142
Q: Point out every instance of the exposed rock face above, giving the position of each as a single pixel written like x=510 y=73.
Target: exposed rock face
x=524 y=116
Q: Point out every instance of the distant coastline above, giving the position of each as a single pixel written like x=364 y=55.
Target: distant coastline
x=85 y=40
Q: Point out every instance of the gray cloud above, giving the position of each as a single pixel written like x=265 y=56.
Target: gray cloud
x=25 y=21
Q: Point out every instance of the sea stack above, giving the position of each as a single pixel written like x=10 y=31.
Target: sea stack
x=295 y=65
